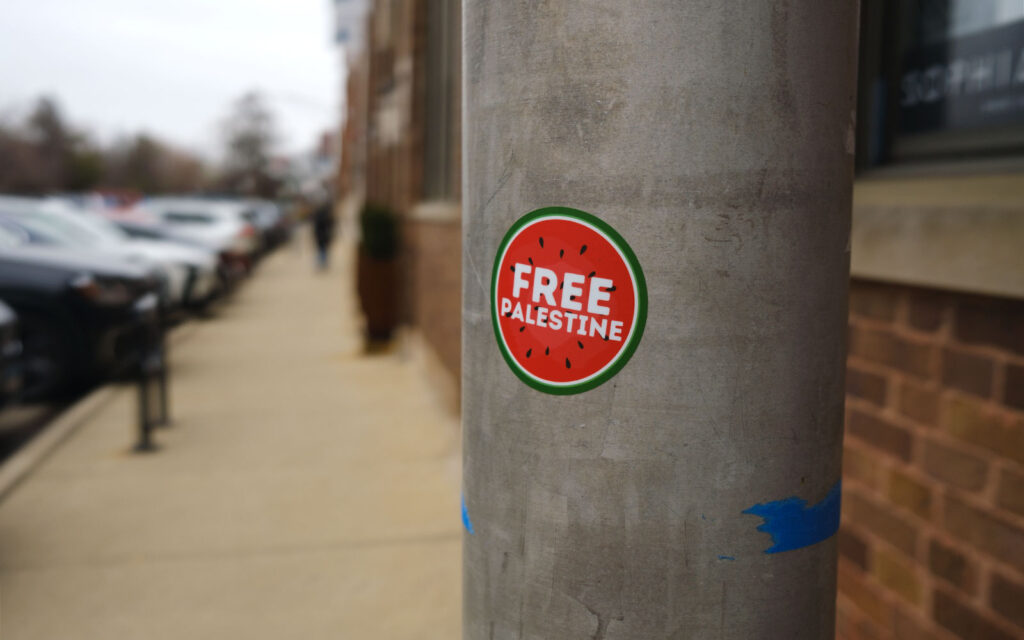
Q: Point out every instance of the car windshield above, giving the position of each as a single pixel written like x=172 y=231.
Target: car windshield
x=64 y=229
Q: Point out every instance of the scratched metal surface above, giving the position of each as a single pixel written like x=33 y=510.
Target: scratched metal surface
x=716 y=136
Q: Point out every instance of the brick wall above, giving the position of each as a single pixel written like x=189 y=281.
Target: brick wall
x=435 y=252
x=932 y=536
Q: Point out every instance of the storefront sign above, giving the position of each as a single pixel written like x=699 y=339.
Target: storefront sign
x=965 y=82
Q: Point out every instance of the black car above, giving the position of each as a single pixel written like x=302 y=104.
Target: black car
x=10 y=355
x=83 y=318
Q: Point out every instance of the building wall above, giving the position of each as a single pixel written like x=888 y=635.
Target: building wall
x=436 y=247
x=393 y=124
x=352 y=166
x=932 y=536
x=433 y=228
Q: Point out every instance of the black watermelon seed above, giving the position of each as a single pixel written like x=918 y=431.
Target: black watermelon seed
x=541 y=242
x=592 y=274
x=605 y=338
x=561 y=284
x=568 y=365
x=572 y=297
x=528 y=352
x=561 y=253
x=522 y=328
x=611 y=288
x=579 y=343
x=547 y=350
x=531 y=260
x=512 y=268
x=508 y=315
x=583 y=249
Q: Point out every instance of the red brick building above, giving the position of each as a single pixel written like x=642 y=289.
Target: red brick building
x=932 y=540
x=404 y=117
x=932 y=537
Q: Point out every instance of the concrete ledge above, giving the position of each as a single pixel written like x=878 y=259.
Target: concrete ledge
x=36 y=450
x=890 y=188
x=974 y=249
x=440 y=211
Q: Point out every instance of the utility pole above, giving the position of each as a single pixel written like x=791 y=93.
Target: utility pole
x=663 y=461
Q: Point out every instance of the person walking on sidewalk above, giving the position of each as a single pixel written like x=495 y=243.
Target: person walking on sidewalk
x=323 y=231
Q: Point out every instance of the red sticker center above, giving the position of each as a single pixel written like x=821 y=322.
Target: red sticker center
x=565 y=300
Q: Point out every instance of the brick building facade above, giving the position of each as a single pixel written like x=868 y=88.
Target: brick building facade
x=404 y=117
x=932 y=536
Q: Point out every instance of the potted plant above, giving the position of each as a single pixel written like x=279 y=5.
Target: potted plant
x=377 y=270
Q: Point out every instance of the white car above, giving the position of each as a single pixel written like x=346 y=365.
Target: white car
x=222 y=225
x=190 y=273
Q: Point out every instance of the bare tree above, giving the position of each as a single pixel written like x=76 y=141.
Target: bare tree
x=33 y=154
x=43 y=153
x=250 y=135
x=51 y=138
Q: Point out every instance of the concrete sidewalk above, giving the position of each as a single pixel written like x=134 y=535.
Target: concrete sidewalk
x=305 y=490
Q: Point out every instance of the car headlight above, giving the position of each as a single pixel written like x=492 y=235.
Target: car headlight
x=107 y=293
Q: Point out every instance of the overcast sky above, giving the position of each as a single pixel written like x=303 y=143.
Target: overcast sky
x=172 y=67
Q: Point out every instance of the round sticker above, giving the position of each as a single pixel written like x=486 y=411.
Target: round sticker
x=568 y=300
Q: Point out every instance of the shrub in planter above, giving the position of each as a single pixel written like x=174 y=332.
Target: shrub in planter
x=377 y=270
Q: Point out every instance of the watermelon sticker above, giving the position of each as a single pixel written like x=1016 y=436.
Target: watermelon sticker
x=568 y=300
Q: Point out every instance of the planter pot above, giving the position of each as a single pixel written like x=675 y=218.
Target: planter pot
x=377 y=285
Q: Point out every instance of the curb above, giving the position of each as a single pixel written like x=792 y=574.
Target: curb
x=32 y=453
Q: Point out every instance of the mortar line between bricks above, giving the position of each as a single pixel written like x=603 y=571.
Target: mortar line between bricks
x=882 y=369
x=887 y=412
x=892 y=415
x=979 y=500
x=227 y=554
x=915 y=468
x=983 y=556
x=983 y=349
x=941 y=434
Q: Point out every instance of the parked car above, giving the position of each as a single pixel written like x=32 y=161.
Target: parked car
x=83 y=317
x=190 y=272
x=221 y=225
x=271 y=223
x=10 y=354
x=146 y=225
x=191 y=269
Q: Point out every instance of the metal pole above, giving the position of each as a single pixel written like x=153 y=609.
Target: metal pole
x=693 y=493
x=145 y=423
x=163 y=379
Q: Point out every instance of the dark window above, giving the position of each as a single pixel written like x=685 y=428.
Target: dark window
x=940 y=79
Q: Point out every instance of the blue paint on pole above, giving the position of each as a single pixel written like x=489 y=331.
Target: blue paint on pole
x=794 y=525
x=726 y=558
x=466 y=522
